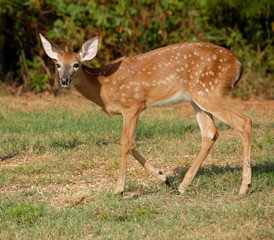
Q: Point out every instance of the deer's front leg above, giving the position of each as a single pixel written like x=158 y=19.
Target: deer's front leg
x=151 y=169
x=130 y=118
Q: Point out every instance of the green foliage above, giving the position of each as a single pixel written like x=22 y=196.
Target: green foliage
x=128 y=27
x=36 y=79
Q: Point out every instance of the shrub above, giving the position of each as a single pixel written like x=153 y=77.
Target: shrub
x=128 y=27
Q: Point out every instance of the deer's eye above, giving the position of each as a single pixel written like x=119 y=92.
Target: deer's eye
x=58 y=65
x=76 y=65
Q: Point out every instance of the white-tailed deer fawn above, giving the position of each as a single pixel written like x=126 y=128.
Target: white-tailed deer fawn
x=199 y=73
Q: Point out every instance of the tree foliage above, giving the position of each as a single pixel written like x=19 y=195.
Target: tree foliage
x=128 y=27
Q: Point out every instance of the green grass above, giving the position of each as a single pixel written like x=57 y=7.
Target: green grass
x=60 y=165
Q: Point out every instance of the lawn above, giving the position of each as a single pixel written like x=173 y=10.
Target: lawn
x=59 y=159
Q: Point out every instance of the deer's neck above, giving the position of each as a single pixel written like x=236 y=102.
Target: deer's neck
x=86 y=81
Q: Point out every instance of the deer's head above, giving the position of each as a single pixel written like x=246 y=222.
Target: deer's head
x=68 y=63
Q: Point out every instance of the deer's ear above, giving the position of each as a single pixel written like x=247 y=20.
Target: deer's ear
x=89 y=49
x=51 y=49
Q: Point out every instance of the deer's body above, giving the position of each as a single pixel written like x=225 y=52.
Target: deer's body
x=199 y=73
x=202 y=73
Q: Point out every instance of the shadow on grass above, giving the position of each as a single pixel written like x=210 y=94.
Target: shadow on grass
x=70 y=144
x=9 y=156
x=258 y=170
x=64 y=144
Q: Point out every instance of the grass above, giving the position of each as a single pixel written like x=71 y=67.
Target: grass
x=59 y=166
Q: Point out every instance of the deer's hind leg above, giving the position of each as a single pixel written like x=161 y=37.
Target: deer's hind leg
x=209 y=136
x=243 y=124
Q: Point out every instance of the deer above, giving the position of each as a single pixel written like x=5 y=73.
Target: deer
x=200 y=73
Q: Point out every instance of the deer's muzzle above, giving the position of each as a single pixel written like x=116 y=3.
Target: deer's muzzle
x=65 y=81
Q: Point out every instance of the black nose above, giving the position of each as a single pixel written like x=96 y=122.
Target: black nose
x=64 y=81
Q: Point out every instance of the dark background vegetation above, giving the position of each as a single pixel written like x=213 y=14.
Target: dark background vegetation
x=128 y=27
